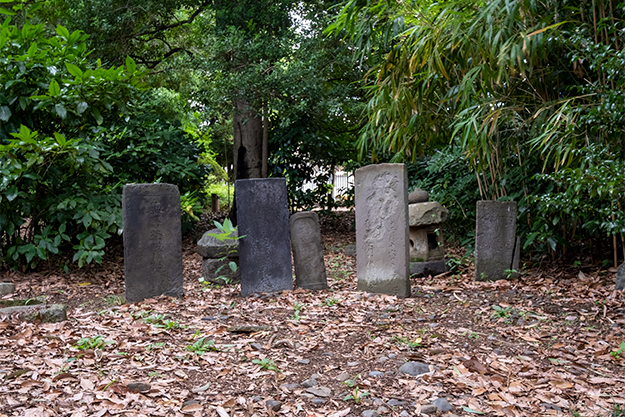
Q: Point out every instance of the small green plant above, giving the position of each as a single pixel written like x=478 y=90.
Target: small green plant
x=229 y=235
x=509 y=273
x=356 y=395
x=618 y=410
x=154 y=346
x=298 y=307
x=161 y=321
x=502 y=312
x=266 y=363
x=202 y=346
x=92 y=343
x=154 y=374
x=617 y=354
x=114 y=300
x=330 y=301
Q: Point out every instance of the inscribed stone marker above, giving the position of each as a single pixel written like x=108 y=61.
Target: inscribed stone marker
x=496 y=245
x=310 y=270
x=382 y=229
x=152 y=241
x=264 y=248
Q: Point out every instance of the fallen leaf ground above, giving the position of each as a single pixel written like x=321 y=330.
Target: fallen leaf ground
x=544 y=344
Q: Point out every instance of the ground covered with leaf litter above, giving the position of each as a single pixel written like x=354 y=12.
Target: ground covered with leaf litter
x=546 y=344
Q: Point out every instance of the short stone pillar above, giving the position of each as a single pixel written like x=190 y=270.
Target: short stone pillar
x=216 y=258
x=382 y=260
x=310 y=269
x=152 y=241
x=264 y=247
x=497 y=249
x=427 y=246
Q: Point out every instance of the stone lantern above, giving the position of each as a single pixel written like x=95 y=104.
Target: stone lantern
x=427 y=246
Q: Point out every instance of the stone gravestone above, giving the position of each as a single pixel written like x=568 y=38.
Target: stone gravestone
x=382 y=229
x=264 y=247
x=310 y=270
x=620 y=277
x=497 y=249
x=152 y=241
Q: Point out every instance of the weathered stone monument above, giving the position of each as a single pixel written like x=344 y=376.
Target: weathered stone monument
x=7 y=288
x=216 y=256
x=497 y=249
x=310 y=270
x=620 y=277
x=152 y=241
x=382 y=229
x=427 y=246
x=264 y=247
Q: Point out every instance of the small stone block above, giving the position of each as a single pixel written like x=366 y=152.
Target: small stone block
x=382 y=229
x=418 y=196
x=211 y=247
x=265 y=247
x=310 y=270
x=211 y=271
x=152 y=241
x=423 y=269
x=7 y=288
x=423 y=214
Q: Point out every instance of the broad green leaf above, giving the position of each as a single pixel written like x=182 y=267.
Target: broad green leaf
x=60 y=139
x=74 y=70
x=7 y=11
x=470 y=410
x=54 y=88
x=62 y=31
x=5 y=113
x=98 y=117
x=60 y=110
x=131 y=66
x=32 y=50
x=12 y=193
x=82 y=106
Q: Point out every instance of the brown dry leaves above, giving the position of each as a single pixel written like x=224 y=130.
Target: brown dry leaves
x=549 y=351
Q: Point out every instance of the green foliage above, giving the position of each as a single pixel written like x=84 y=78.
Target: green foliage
x=617 y=353
x=502 y=312
x=202 y=345
x=92 y=343
x=267 y=364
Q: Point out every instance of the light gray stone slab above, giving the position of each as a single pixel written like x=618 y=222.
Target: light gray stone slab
x=152 y=241
x=620 y=277
x=7 y=288
x=382 y=242
x=497 y=249
x=265 y=247
x=310 y=270
x=431 y=212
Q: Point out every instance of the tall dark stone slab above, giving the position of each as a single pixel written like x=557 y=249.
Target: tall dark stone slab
x=382 y=229
x=152 y=241
x=264 y=248
x=310 y=270
x=497 y=249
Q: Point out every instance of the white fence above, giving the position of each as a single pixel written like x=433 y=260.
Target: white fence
x=341 y=181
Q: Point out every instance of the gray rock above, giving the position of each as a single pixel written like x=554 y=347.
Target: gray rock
x=376 y=374
x=138 y=387
x=53 y=313
x=273 y=405
x=318 y=401
x=395 y=403
x=186 y=403
x=350 y=249
x=310 y=270
x=392 y=355
x=211 y=247
x=381 y=201
x=382 y=410
x=620 y=277
x=152 y=241
x=303 y=361
x=382 y=359
x=290 y=387
x=342 y=377
x=442 y=404
x=309 y=383
x=256 y=346
x=378 y=402
x=352 y=364
x=414 y=368
x=369 y=413
x=423 y=214
x=429 y=409
x=7 y=288
x=265 y=249
x=404 y=414
x=423 y=269
x=319 y=391
x=418 y=196
x=316 y=376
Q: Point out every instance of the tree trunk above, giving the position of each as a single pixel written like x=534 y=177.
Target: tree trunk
x=248 y=142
